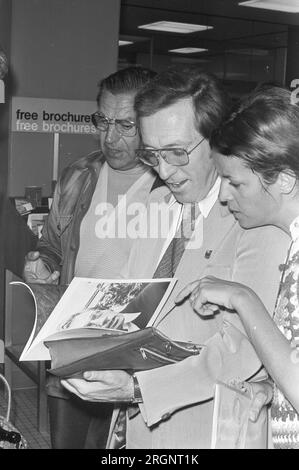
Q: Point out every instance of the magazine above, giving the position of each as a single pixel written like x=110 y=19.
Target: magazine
x=91 y=305
x=101 y=349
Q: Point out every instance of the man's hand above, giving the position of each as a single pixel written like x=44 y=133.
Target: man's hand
x=102 y=386
x=35 y=271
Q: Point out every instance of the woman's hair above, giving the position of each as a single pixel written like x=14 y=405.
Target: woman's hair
x=262 y=130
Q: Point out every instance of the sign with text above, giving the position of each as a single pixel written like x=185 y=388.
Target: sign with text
x=52 y=116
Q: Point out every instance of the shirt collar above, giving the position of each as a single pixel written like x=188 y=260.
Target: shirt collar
x=206 y=204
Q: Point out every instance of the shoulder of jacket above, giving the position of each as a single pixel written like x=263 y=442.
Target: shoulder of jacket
x=94 y=158
x=264 y=231
x=264 y=238
x=92 y=161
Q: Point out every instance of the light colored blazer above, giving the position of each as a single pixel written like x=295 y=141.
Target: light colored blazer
x=178 y=399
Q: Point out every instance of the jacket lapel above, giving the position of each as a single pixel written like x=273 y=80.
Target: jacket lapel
x=214 y=229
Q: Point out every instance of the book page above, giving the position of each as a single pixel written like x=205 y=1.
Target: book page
x=83 y=303
x=45 y=297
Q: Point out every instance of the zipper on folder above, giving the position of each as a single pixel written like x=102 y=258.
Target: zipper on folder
x=149 y=352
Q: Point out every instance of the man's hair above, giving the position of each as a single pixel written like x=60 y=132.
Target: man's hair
x=209 y=99
x=262 y=130
x=127 y=80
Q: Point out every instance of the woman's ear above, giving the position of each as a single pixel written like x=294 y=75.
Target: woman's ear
x=287 y=181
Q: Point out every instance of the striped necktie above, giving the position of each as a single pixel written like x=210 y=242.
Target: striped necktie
x=174 y=252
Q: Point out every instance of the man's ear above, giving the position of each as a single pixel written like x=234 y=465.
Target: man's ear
x=287 y=181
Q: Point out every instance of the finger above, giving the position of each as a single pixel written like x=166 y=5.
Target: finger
x=28 y=273
x=66 y=384
x=186 y=292
x=33 y=279
x=32 y=255
x=206 y=311
x=196 y=294
x=53 y=277
x=77 y=388
x=94 y=375
x=202 y=309
x=201 y=306
x=28 y=267
x=213 y=307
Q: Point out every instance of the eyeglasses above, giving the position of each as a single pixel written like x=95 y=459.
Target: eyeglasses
x=123 y=126
x=176 y=156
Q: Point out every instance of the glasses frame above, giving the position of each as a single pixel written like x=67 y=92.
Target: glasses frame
x=157 y=153
x=113 y=121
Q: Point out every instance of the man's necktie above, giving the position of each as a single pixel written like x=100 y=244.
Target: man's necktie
x=174 y=252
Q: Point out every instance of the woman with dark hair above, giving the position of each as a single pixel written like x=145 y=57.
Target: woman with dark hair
x=256 y=152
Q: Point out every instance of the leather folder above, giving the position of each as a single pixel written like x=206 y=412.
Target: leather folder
x=76 y=351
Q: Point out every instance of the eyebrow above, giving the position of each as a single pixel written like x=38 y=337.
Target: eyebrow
x=174 y=145
x=223 y=175
x=128 y=118
x=231 y=177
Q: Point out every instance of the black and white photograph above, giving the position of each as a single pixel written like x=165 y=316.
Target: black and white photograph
x=149 y=201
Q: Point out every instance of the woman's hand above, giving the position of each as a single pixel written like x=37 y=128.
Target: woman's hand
x=210 y=293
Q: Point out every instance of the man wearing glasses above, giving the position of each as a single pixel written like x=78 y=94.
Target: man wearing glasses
x=177 y=113
x=72 y=243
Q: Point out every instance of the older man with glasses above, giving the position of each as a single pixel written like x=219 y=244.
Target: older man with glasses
x=177 y=113
x=72 y=242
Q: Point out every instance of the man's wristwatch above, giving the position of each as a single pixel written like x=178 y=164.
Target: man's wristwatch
x=137 y=392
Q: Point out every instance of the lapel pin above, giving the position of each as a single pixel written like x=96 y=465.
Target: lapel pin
x=208 y=254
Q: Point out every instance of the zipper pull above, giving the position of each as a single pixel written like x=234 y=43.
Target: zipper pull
x=143 y=353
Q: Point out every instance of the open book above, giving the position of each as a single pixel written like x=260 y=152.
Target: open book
x=77 y=311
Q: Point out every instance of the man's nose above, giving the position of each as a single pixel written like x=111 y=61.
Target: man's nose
x=164 y=169
x=111 y=134
x=224 y=193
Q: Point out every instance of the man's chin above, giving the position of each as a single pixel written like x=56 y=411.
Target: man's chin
x=115 y=161
x=113 y=156
x=184 y=198
x=120 y=164
x=181 y=199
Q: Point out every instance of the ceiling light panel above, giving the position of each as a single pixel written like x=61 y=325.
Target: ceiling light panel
x=289 y=6
x=124 y=43
x=174 y=27
x=188 y=50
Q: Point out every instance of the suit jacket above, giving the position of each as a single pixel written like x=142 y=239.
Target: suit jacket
x=178 y=399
